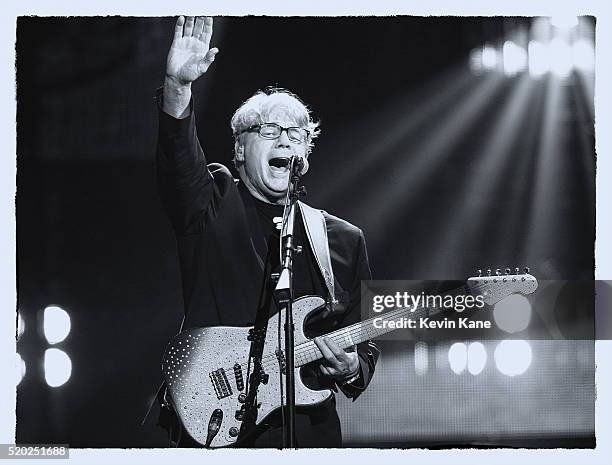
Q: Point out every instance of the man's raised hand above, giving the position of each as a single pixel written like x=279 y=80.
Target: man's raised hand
x=189 y=57
x=190 y=54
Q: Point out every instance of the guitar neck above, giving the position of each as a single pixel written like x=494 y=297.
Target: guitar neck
x=365 y=330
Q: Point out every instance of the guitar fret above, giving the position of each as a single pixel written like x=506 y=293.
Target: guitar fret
x=362 y=331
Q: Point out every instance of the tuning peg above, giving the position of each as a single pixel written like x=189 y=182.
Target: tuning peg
x=498 y=272
x=479 y=273
x=489 y=272
x=517 y=270
x=526 y=269
x=508 y=270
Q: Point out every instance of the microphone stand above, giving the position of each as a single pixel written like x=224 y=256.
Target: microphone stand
x=284 y=296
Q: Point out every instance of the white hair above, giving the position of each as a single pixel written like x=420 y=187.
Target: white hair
x=263 y=105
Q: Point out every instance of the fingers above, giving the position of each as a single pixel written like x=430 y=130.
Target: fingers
x=210 y=56
x=339 y=353
x=338 y=363
x=328 y=355
x=178 y=29
x=341 y=370
x=331 y=350
x=207 y=60
x=198 y=27
x=326 y=371
x=188 y=31
x=207 y=31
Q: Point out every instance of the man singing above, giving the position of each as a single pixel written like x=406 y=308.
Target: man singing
x=228 y=232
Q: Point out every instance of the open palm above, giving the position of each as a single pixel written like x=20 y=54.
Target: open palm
x=190 y=55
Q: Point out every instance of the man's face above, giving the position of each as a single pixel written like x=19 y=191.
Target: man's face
x=265 y=181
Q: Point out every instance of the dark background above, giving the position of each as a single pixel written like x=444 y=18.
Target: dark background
x=443 y=170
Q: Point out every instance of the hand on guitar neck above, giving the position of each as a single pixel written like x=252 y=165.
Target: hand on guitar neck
x=339 y=364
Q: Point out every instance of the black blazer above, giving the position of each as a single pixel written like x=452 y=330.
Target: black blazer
x=220 y=253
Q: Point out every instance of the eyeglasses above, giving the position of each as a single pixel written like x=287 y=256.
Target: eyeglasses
x=274 y=131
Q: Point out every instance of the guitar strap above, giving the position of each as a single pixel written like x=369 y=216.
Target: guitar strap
x=316 y=230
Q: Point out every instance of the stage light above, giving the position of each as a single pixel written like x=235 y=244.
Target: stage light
x=20 y=369
x=538 y=59
x=583 y=55
x=560 y=54
x=512 y=314
x=513 y=357
x=440 y=354
x=564 y=21
x=457 y=357
x=58 y=367
x=476 y=357
x=56 y=324
x=476 y=61
x=489 y=58
x=421 y=358
x=514 y=58
x=20 y=325
x=484 y=58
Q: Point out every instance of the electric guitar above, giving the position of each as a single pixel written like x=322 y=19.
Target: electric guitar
x=206 y=368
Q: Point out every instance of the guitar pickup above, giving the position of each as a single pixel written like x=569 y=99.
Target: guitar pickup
x=221 y=383
x=239 y=378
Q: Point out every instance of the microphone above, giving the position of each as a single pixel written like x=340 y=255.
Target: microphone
x=300 y=165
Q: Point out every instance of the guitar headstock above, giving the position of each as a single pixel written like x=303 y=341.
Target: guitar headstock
x=498 y=286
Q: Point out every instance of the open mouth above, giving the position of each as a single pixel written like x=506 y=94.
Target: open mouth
x=279 y=162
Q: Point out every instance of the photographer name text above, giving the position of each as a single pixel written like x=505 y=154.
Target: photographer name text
x=403 y=302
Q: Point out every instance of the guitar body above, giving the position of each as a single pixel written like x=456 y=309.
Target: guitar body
x=200 y=367
x=206 y=368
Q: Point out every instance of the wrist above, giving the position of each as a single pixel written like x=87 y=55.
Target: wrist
x=353 y=376
x=177 y=97
x=350 y=380
x=176 y=86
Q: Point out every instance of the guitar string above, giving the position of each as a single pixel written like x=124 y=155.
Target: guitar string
x=309 y=349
